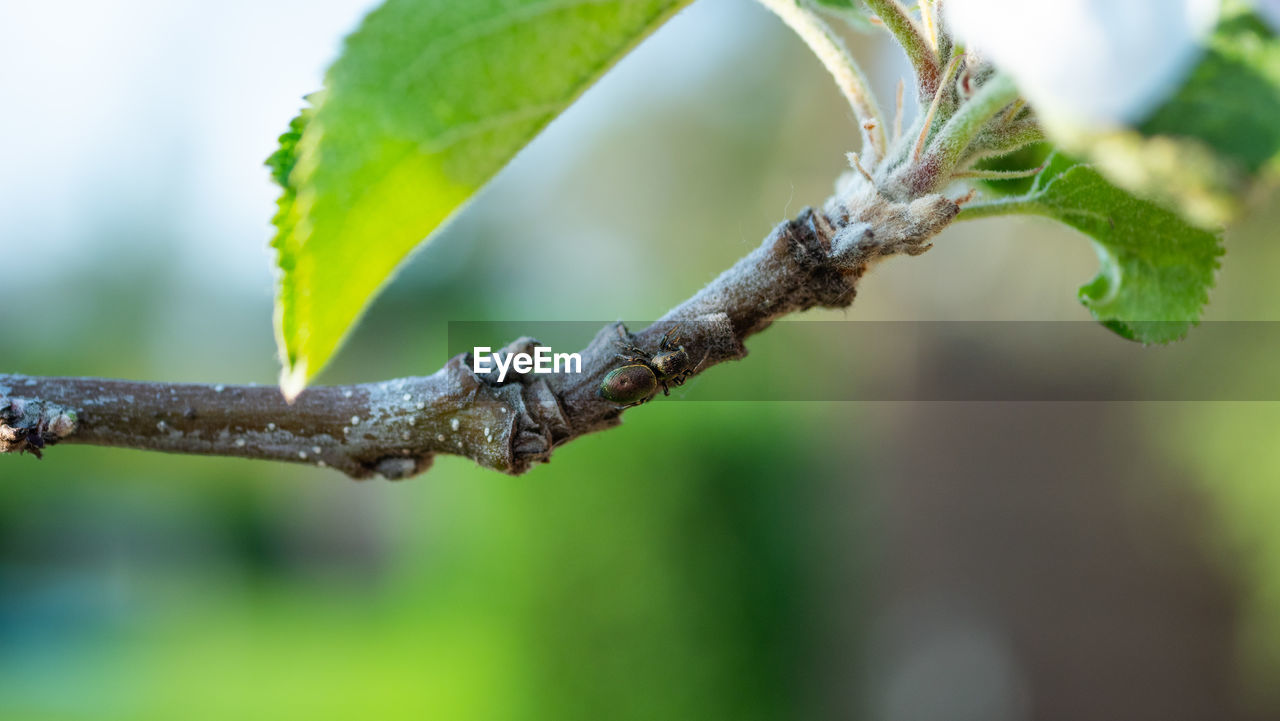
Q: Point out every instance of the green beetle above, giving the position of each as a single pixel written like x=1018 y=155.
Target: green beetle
x=638 y=381
x=629 y=385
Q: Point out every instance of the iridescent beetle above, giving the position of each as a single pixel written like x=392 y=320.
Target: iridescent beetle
x=638 y=381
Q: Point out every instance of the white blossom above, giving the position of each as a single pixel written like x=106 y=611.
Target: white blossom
x=1088 y=62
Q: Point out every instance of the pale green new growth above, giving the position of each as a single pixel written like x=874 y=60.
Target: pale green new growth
x=426 y=103
x=1156 y=268
x=953 y=141
x=914 y=41
x=948 y=77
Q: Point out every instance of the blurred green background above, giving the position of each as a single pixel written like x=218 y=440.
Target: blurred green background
x=705 y=560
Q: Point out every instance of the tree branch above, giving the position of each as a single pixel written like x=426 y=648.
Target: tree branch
x=395 y=428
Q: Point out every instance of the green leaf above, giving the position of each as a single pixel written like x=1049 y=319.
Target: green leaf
x=429 y=99
x=1204 y=149
x=1156 y=268
x=1231 y=100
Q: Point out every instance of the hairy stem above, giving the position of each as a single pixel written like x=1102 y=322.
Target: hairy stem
x=1005 y=206
x=954 y=137
x=913 y=40
x=951 y=145
x=1006 y=139
x=928 y=24
x=849 y=77
x=998 y=174
x=943 y=89
x=946 y=44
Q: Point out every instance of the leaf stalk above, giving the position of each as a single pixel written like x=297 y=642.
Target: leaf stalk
x=913 y=40
x=833 y=54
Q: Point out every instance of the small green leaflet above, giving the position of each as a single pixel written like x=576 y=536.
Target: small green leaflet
x=429 y=99
x=852 y=12
x=1025 y=158
x=1231 y=101
x=1156 y=268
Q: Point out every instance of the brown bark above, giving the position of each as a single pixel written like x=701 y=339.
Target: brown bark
x=395 y=428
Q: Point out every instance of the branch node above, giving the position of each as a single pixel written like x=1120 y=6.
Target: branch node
x=29 y=426
x=394 y=429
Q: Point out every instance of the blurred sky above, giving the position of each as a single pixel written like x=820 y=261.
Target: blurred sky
x=111 y=103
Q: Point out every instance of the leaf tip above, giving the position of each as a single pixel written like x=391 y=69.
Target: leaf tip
x=293 y=380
